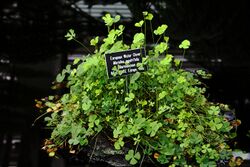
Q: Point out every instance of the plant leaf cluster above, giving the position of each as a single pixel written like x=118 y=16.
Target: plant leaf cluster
x=161 y=113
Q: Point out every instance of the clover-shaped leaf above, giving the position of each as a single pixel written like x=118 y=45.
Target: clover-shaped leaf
x=145 y=13
x=177 y=62
x=139 y=24
x=166 y=39
x=181 y=79
x=152 y=128
x=149 y=17
x=119 y=143
x=117 y=18
x=184 y=44
x=123 y=109
x=108 y=20
x=74 y=141
x=76 y=60
x=132 y=157
x=162 y=47
x=162 y=94
x=121 y=27
x=204 y=74
x=214 y=110
x=138 y=38
x=118 y=130
x=166 y=60
x=92 y=118
x=94 y=41
x=219 y=126
x=111 y=37
x=60 y=77
x=134 y=77
x=70 y=35
x=86 y=106
x=200 y=128
x=130 y=97
x=162 y=159
x=161 y=29
x=120 y=30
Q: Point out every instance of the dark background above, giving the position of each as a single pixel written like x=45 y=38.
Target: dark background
x=33 y=50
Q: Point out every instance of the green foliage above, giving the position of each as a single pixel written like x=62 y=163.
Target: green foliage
x=161 y=29
x=94 y=41
x=163 y=111
x=70 y=35
x=203 y=74
x=119 y=144
x=149 y=16
x=109 y=21
x=139 y=24
x=184 y=44
x=130 y=97
x=138 y=40
x=132 y=157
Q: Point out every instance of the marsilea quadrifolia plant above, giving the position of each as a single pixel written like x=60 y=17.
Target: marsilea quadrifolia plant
x=160 y=114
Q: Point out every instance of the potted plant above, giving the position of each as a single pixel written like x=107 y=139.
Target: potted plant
x=158 y=113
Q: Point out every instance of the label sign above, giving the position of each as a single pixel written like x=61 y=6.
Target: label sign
x=125 y=62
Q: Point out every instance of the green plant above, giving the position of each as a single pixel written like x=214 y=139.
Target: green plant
x=161 y=113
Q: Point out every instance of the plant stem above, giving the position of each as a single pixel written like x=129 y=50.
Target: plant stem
x=183 y=58
x=82 y=45
x=158 y=40
x=156 y=103
x=126 y=86
x=145 y=31
x=142 y=160
x=93 y=149
x=152 y=33
x=136 y=147
x=39 y=118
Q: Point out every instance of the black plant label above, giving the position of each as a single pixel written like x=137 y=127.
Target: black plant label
x=125 y=62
